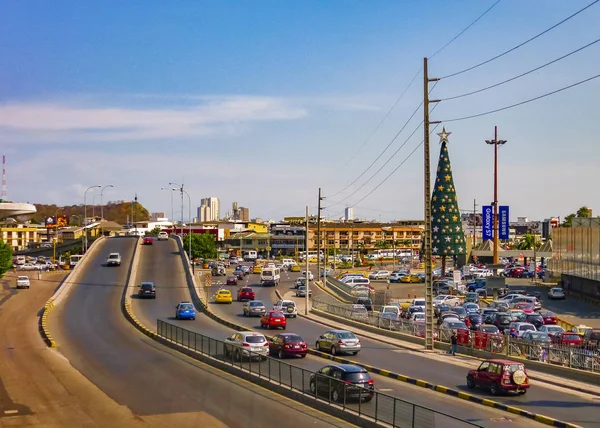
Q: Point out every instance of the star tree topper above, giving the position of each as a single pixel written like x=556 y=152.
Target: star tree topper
x=444 y=135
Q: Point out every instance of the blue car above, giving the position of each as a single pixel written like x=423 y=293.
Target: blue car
x=185 y=311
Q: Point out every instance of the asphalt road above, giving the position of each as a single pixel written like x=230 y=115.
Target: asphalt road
x=540 y=399
x=171 y=289
x=147 y=378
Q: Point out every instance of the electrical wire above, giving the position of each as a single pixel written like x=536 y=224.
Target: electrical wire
x=521 y=75
x=522 y=102
x=520 y=44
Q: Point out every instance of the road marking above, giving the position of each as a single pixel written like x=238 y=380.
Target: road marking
x=385 y=389
x=11 y=412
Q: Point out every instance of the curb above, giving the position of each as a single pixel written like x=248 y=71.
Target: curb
x=417 y=382
x=331 y=293
x=45 y=332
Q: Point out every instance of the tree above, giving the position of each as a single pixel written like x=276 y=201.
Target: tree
x=448 y=238
x=6 y=255
x=584 y=212
x=581 y=212
x=382 y=245
x=528 y=242
x=154 y=232
x=203 y=246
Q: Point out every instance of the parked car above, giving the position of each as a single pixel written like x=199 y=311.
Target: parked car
x=502 y=320
x=446 y=299
x=379 y=274
x=472 y=297
x=147 y=290
x=288 y=345
x=538 y=337
x=245 y=294
x=499 y=376
x=518 y=328
x=536 y=319
x=395 y=276
x=475 y=320
x=338 y=342
x=273 y=319
x=567 y=338
x=551 y=329
x=472 y=308
x=366 y=302
x=556 y=293
x=359 y=312
x=549 y=317
x=343 y=382
x=499 y=305
x=23 y=282
x=254 y=308
x=246 y=344
x=185 y=311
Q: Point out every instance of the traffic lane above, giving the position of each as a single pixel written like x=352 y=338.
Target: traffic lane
x=539 y=399
x=146 y=377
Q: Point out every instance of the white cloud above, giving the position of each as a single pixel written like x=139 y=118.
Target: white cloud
x=68 y=122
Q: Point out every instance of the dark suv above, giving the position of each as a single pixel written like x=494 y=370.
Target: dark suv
x=147 y=290
x=342 y=382
x=367 y=303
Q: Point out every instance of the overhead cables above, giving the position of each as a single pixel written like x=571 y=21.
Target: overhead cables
x=521 y=44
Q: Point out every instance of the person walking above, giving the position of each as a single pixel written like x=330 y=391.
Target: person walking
x=454 y=341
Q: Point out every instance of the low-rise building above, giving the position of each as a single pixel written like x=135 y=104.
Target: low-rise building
x=287 y=239
x=20 y=235
x=237 y=243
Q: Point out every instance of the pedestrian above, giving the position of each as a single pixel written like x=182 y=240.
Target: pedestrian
x=39 y=274
x=454 y=342
x=468 y=322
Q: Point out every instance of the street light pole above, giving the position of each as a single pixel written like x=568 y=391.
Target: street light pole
x=180 y=188
x=102 y=207
x=172 y=212
x=496 y=143
x=85 y=215
x=189 y=220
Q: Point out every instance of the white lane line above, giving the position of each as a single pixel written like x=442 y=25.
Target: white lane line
x=11 y=412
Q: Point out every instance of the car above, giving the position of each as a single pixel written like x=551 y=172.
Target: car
x=418 y=317
x=338 y=342
x=499 y=376
x=23 y=282
x=342 y=382
x=460 y=311
x=147 y=290
x=246 y=344
x=232 y=280
x=551 y=329
x=113 y=259
x=311 y=277
x=517 y=329
x=223 y=296
x=185 y=311
x=410 y=278
x=288 y=345
x=438 y=310
x=472 y=297
x=396 y=277
x=162 y=236
x=148 y=240
x=446 y=299
x=526 y=307
x=488 y=328
x=254 y=308
x=379 y=274
x=366 y=302
x=499 y=305
x=536 y=319
x=549 y=317
x=273 y=319
x=359 y=312
x=535 y=303
x=301 y=292
x=517 y=315
x=556 y=293
x=567 y=338
x=453 y=324
x=288 y=307
x=502 y=320
x=299 y=282
x=472 y=308
x=245 y=294
x=538 y=337
x=294 y=268
x=475 y=320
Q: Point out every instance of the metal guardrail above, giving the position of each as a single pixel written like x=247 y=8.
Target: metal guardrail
x=382 y=408
x=572 y=356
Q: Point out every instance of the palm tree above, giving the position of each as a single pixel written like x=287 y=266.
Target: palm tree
x=528 y=242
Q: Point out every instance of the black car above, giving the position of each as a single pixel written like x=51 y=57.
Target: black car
x=147 y=290
x=536 y=319
x=502 y=320
x=440 y=309
x=367 y=303
x=476 y=321
x=342 y=382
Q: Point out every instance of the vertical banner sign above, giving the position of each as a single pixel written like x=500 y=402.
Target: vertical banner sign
x=488 y=222
x=503 y=223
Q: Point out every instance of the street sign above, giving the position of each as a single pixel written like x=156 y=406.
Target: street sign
x=488 y=222
x=503 y=222
x=456 y=276
x=495 y=282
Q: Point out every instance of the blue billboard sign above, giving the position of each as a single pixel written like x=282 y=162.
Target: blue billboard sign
x=503 y=222
x=487 y=222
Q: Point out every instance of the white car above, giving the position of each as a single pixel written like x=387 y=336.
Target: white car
x=288 y=307
x=23 y=282
x=446 y=299
x=519 y=328
x=162 y=236
x=418 y=317
x=246 y=344
x=556 y=293
x=379 y=274
x=113 y=259
x=551 y=330
x=395 y=277
x=311 y=277
x=360 y=291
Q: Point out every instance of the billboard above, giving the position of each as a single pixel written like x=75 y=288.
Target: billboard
x=503 y=222
x=50 y=222
x=488 y=222
x=59 y=221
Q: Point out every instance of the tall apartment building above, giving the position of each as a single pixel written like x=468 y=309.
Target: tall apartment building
x=349 y=214
x=209 y=209
x=244 y=214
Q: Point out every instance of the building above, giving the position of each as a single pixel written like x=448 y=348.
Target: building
x=237 y=243
x=287 y=240
x=349 y=214
x=213 y=212
x=20 y=236
x=158 y=216
x=244 y=214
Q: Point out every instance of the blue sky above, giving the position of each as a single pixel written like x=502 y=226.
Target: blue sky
x=264 y=102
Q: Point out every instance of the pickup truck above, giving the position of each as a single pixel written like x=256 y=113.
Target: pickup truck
x=23 y=282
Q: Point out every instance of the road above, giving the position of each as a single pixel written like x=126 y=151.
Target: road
x=541 y=399
x=154 y=382
x=159 y=264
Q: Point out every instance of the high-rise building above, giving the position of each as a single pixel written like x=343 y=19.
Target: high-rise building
x=156 y=216
x=244 y=214
x=204 y=213
x=349 y=214
x=213 y=207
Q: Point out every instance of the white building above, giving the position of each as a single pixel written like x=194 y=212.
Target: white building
x=349 y=214
x=209 y=209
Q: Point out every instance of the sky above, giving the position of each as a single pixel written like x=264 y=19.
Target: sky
x=263 y=103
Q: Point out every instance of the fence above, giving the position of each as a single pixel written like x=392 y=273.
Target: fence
x=583 y=357
x=382 y=408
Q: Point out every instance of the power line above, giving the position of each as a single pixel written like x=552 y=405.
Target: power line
x=521 y=75
x=523 y=102
x=521 y=44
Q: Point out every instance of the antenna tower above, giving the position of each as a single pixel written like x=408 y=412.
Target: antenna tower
x=3 y=192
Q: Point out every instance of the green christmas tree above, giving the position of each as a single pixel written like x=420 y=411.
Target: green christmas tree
x=448 y=238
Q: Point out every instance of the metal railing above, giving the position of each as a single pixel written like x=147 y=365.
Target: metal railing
x=582 y=357
x=376 y=406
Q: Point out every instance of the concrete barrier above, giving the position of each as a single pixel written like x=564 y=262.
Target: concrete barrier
x=63 y=290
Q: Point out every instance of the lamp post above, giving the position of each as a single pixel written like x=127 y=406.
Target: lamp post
x=102 y=206
x=172 y=212
x=94 y=206
x=190 y=219
x=180 y=189
x=496 y=143
x=85 y=215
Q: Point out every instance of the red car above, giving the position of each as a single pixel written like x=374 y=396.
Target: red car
x=273 y=319
x=288 y=345
x=499 y=376
x=245 y=293
x=528 y=308
x=549 y=318
x=148 y=240
x=567 y=338
x=232 y=280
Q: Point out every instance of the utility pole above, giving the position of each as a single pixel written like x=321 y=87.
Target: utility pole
x=319 y=234
x=496 y=143
x=427 y=194
x=307 y=276
x=133 y=213
x=474 y=226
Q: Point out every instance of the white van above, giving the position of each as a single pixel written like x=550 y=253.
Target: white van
x=357 y=281
x=288 y=262
x=250 y=255
x=21 y=260
x=270 y=276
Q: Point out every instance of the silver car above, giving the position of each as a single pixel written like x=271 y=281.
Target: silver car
x=254 y=308
x=246 y=344
x=338 y=341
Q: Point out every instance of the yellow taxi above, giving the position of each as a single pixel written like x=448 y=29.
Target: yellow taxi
x=257 y=269
x=410 y=278
x=295 y=268
x=223 y=296
x=580 y=329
